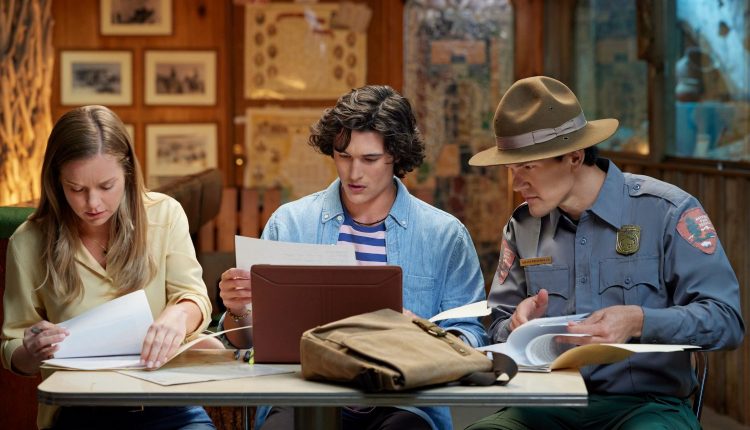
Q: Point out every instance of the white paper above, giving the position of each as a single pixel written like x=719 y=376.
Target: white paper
x=251 y=251
x=478 y=309
x=117 y=327
x=204 y=372
x=520 y=338
x=533 y=347
x=96 y=363
x=123 y=361
x=651 y=347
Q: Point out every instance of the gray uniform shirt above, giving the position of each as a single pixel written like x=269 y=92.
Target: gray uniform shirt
x=679 y=275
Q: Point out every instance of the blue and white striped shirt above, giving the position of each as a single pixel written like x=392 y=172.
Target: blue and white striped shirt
x=368 y=242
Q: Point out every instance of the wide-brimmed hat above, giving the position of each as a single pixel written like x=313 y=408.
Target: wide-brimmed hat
x=537 y=118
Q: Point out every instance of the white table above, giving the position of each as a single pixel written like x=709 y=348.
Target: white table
x=317 y=402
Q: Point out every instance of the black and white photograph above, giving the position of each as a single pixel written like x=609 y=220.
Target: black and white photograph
x=96 y=77
x=180 y=77
x=136 y=17
x=178 y=150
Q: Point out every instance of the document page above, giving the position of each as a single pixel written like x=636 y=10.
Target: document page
x=251 y=251
x=477 y=309
x=117 y=327
x=534 y=348
x=521 y=338
x=122 y=361
x=204 y=365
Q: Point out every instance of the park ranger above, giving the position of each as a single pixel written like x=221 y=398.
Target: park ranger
x=640 y=255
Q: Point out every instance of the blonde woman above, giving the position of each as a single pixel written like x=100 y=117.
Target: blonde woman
x=100 y=235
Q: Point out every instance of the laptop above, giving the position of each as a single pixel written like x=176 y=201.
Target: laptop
x=289 y=300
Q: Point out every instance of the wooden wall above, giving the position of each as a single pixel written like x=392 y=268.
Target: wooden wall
x=197 y=25
x=384 y=66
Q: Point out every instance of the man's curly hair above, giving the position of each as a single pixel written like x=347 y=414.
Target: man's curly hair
x=376 y=108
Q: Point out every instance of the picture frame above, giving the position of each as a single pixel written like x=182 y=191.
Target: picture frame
x=178 y=150
x=135 y=17
x=96 y=77
x=278 y=155
x=288 y=58
x=180 y=77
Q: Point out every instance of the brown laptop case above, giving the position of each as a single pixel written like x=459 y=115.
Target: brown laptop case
x=288 y=300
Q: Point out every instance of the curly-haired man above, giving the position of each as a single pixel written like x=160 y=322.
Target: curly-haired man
x=372 y=135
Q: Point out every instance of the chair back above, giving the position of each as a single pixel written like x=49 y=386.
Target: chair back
x=700 y=363
x=18 y=402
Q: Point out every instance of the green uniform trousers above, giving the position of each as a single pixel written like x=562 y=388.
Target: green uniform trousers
x=621 y=412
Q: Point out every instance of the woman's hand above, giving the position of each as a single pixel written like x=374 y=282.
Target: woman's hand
x=164 y=336
x=39 y=343
x=235 y=290
x=41 y=339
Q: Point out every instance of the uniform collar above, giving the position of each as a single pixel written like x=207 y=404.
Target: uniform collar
x=399 y=212
x=610 y=203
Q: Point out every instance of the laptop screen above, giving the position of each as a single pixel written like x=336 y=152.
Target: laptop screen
x=288 y=300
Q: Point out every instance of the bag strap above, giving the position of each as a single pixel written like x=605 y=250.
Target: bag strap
x=503 y=370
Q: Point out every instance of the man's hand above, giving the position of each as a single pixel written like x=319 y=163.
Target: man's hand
x=530 y=308
x=615 y=324
x=235 y=290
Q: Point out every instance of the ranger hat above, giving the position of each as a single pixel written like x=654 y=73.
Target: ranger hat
x=537 y=118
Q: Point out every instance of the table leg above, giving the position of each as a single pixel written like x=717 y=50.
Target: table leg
x=317 y=418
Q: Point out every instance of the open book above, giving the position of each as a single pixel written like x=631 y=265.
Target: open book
x=109 y=336
x=534 y=348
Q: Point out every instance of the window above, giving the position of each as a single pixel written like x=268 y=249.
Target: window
x=610 y=80
x=698 y=54
x=712 y=80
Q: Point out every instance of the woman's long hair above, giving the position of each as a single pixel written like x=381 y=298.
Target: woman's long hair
x=80 y=134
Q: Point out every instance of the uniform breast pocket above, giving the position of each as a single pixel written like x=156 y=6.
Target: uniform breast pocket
x=629 y=281
x=420 y=296
x=555 y=280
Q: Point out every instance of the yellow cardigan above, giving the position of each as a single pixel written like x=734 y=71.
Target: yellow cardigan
x=178 y=277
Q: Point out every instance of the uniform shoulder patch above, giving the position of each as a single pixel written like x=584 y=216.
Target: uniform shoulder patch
x=696 y=228
x=507 y=257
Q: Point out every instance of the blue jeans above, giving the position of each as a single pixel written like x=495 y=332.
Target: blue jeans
x=151 y=418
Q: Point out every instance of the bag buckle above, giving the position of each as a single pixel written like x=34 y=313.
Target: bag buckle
x=430 y=327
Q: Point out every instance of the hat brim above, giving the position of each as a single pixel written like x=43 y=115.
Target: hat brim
x=593 y=133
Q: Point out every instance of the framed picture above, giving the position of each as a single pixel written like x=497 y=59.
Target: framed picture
x=278 y=154
x=96 y=77
x=178 y=150
x=302 y=51
x=135 y=17
x=180 y=78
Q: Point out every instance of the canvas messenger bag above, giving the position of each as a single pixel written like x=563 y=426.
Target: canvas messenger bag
x=389 y=351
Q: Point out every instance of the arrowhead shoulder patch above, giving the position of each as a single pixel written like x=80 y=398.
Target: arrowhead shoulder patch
x=507 y=257
x=696 y=228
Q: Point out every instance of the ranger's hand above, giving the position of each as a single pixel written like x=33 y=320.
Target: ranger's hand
x=615 y=324
x=529 y=309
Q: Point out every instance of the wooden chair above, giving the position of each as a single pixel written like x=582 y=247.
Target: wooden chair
x=700 y=364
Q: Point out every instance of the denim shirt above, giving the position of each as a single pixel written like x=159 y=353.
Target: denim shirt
x=435 y=251
x=689 y=293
